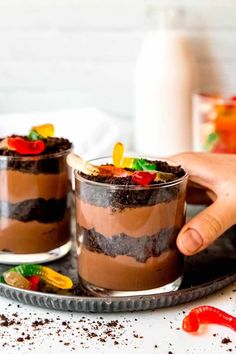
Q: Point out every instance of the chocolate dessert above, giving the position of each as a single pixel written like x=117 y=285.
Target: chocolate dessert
x=34 y=209
x=127 y=232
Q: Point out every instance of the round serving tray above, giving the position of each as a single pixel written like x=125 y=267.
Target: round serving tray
x=204 y=274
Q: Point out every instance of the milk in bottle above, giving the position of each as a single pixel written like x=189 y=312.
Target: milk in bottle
x=163 y=84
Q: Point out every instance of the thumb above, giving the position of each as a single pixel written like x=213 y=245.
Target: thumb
x=205 y=228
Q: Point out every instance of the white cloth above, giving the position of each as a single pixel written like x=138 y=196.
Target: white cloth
x=92 y=131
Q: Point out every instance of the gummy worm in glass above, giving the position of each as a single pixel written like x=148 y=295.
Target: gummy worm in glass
x=145 y=169
x=129 y=162
x=143 y=178
x=26 y=147
x=44 y=131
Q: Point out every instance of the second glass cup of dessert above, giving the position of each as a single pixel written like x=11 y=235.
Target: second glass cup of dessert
x=35 y=224
x=126 y=233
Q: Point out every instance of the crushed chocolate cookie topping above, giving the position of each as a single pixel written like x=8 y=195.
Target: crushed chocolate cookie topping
x=126 y=198
x=43 y=163
x=161 y=166
x=53 y=145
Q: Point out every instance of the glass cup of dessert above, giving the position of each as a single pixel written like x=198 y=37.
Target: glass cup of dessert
x=35 y=186
x=214 y=119
x=126 y=229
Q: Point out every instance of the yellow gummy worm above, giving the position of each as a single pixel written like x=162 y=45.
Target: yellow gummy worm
x=45 y=130
x=118 y=153
x=56 y=279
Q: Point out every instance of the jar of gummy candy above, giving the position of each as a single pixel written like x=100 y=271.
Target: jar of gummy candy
x=214 y=123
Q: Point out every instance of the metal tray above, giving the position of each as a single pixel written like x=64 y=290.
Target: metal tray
x=204 y=274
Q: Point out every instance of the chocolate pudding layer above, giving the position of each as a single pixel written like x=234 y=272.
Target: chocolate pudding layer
x=33 y=185
x=34 y=237
x=127 y=233
x=127 y=274
x=133 y=222
x=34 y=199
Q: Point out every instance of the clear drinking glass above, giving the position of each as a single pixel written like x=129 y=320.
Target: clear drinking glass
x=126 y=236
x=35 y=225
x=214 y=119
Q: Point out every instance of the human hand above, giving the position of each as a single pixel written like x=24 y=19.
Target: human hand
x=212 y=178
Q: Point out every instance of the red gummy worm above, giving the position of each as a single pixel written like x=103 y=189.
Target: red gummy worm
x=207 y=314
x=34 y=281
x=26 y=147
x=143 y=178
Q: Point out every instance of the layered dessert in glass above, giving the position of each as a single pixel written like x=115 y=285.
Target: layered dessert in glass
x=127 y=229
x=35 y=188
x=214 y=123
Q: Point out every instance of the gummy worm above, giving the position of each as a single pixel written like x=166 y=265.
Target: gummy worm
x=45 y=273
x=207 y=314
x=25 y=147
x=17 y=280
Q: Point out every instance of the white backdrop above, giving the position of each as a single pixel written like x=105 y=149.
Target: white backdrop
x=59 y=54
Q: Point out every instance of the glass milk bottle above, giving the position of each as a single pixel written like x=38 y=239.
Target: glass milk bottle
x=164 y=80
